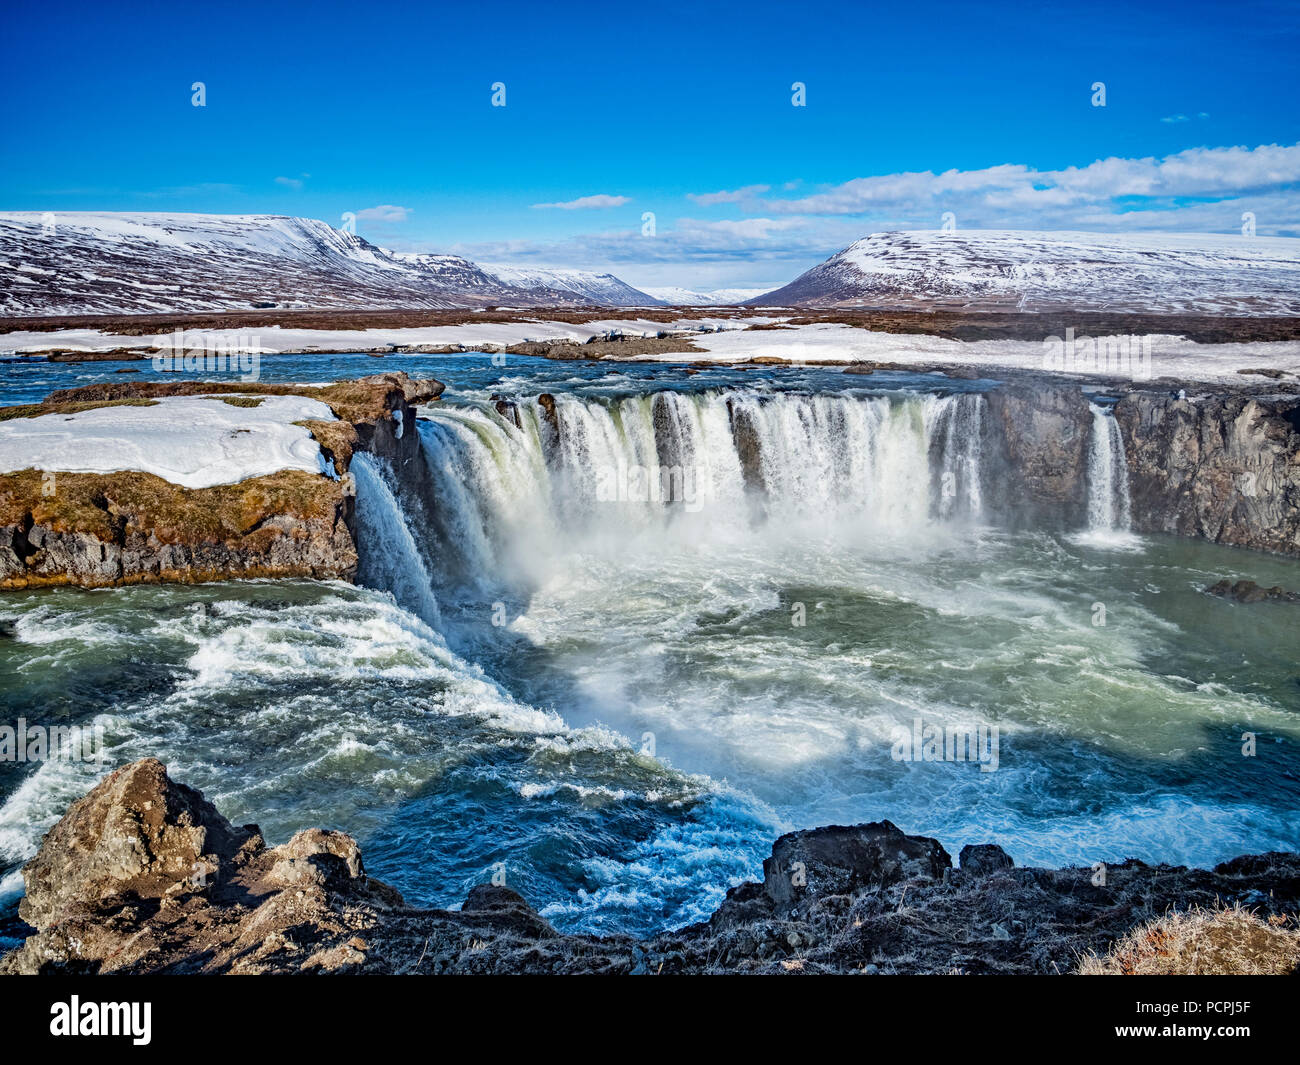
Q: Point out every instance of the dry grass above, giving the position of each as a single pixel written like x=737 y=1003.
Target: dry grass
x=337 y=440
x=377 y=318
x=35 y=410
x=1200 y=942
x=363 y=400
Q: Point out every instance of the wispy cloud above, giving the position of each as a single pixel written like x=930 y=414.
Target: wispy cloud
x=709 y=199
x=385 y=213
x=206 y=188
x=587 y=202
x=292 y=183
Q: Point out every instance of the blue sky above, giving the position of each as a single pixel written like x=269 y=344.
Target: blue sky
x=683 y=110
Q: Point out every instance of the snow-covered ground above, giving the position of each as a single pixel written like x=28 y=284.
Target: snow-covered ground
x=728 y=340
x=1154 y=356
x=475 y=336
x=193 y=441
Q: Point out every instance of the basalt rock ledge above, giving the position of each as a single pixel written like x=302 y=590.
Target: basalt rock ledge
x=143 y=875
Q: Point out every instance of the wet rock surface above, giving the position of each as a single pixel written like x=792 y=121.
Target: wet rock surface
x=1038 y=439
x=143 y=875
x=1249 y=592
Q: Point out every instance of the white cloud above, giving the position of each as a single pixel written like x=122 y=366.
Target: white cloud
x=585 y=202
x=1010 y=194
x=385 y=213
x=292 y=183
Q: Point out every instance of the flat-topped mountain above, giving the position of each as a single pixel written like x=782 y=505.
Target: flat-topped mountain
x=1005 y=269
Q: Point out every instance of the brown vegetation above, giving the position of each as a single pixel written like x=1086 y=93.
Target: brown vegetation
x=35 y=410
x=1216 y=942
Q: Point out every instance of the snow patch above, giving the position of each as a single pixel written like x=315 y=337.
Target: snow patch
x=192 y=441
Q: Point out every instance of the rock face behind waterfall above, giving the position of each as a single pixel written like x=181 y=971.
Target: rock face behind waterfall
x=1222 y=468
x=143 y=875
x=1036 y=471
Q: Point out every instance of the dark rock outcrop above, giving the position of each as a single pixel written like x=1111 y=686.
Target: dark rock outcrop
x=1250 y=592
x=1220 y=467
x=984 y=858
x=139 y=834
x=745 y=434
x=143 y=875
x=839 y=860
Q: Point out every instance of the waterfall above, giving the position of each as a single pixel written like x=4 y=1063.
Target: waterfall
x=961 y=423
x=516 y=481
x=389 y=559
x=1108 y=500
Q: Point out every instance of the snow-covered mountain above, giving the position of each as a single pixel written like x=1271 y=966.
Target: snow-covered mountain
x=1008 y=270
x=603 y=289
x=685 y=297
x=106 y=263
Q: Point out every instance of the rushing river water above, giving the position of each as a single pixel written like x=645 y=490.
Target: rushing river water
x=644 y=636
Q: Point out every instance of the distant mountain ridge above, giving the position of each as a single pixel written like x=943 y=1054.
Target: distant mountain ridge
x=1034 y=271
x=721 y=297
x=603 y=289
x=120 y=263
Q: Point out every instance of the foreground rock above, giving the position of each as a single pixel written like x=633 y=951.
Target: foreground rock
x=96 y=530
x=143 y=875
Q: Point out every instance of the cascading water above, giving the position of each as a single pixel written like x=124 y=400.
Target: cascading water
x=960 y=422
x=1108 y=499
x=389 y=559
x=511 y=486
